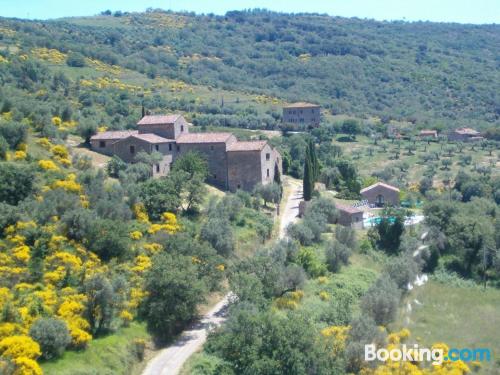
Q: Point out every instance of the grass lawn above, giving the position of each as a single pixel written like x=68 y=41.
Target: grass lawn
x=110 y=355
x=460 y=317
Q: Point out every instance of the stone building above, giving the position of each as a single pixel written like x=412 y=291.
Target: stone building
x=381 y=195
x=464 y=135
x=103 y=142
x=427 y=134
x=302 y=115
x=349 y=216
x=231 y=164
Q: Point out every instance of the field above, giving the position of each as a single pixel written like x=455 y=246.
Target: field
x=458 y=316
x=410 y=164
x=109 y=355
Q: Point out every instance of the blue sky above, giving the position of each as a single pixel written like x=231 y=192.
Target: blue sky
x=463 y=11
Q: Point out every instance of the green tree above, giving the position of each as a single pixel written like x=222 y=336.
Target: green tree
x=100 y=303
x=308 y=180
x=173 y=294
x=16 y=182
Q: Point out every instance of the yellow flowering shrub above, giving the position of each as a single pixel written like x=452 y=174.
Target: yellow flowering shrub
x=45 y=143
x=141 y=264
x=152 y=248
x=21 y=253
x=140 y=213
x=26 y=366
x=22 y=147
x=19 y=346
x=48 y=165
x=69 y=184
x=20 y=155
x=56 y=121
x=60 y=151
x=290 y=301
x=324 y=296
x=126 y=317
x=337 y=336
x=136 y=235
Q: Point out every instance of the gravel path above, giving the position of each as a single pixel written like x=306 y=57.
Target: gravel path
x=170 y=360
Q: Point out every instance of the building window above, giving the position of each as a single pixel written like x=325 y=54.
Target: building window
x=268 y=156
x=170 y=147
x=178 y=148
x=239 y=186
x=215 y=177
x=267 y=172
x=211 y=148
x=102 y=144
x=157 y=168
x=157 y=147
x=132 y=149
x=182 y=128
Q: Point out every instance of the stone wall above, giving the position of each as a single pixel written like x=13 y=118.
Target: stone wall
x=169 y=131
x=103 y=146
x=216 y=156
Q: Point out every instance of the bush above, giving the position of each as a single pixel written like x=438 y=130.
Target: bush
x=381 y=301
x=324 y=207
x=52 y=335
x=337 y=255
x=4 y=147
x=13 y=133
x=402 y=270
x=301 y=232
x=346 y=236
x=76 y=60
x=109 y=239
x=16 y=182
x=218 y=233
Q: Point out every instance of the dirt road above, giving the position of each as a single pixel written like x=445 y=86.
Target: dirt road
x=170 y=360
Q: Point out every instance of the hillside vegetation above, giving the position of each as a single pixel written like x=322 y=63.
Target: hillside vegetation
x=428 y=73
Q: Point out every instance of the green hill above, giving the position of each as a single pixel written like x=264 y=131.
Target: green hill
x=426 y=73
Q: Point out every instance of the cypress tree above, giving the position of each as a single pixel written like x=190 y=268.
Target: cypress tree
x=314 y=160
x=308 y=181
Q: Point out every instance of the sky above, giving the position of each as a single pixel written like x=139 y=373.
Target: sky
x=462 y=11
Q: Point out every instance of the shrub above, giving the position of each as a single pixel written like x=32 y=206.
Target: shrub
x=324 y=207
x=381 y=301
x=16 y=182
x=52 y=335
x=346 y=236
x=218 y=233
x=402 y=270
x=13 y=133
x=4 y=147
x=75 y=59
x=301 y=233
x=337 y=255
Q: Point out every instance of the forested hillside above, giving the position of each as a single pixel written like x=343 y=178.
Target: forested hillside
x=429 y=73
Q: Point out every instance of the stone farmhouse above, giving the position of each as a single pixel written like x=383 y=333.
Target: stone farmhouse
x=464 y=135
x=349 y=216
x=381 y=195
x=232 y=164
x=302 y=115
x=428 y=134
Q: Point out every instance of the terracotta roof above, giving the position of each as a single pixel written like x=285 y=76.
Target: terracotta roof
x=301 y=105
x=158 y=119
x=119 y=134
x=466 y=131
x=247 y=146
x=152 y=138
x=348 y=209
x=387 y=186
x=204 y=138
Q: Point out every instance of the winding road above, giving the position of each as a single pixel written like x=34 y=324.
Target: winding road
x=170 y=360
